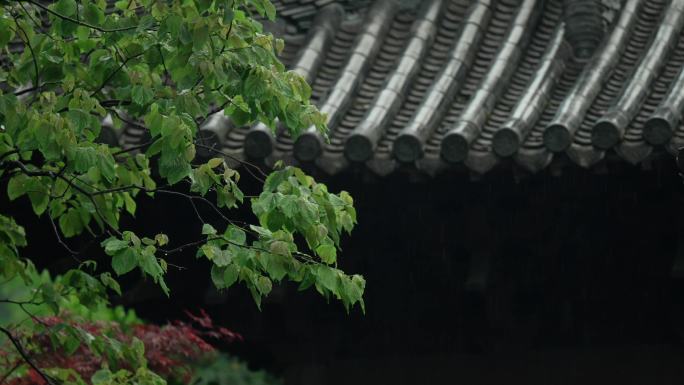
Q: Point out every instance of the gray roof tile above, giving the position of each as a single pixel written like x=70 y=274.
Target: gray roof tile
x=478 y=83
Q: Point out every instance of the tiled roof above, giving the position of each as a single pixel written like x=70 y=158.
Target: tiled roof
x=480 y=83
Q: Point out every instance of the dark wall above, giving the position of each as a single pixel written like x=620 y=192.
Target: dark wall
x=511 y=278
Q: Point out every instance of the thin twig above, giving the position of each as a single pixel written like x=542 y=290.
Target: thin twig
x=25 y=357
x=64 y=17
x=13 y=302
x=9 y=373
x=31 y=89
x=36 y=22
x=212 y=112
x=115 y=103
x=134 y=148
x=53 y=175
x=305 y=257
x=194 y=207
x=161 y=55
x=111 y=75
x=8 y=153
x=30 y=46
x=61 y=241
x=246 y=163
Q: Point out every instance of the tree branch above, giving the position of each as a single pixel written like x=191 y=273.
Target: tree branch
x=9 y=373
x=51 y=174
x=115 y=103
x=61 y=241
x=161 y=55
x=246 y=163
x=134 y=148
x=13 y=302
x=305 y=257
x=25 y=357
x=30 y=46
x=111 y=75
x=8 y=153
x=127 y=121
x=64 y=17
x=36 y=88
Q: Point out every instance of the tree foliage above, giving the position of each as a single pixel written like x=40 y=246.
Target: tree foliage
x=165 y=66
x=172 y=351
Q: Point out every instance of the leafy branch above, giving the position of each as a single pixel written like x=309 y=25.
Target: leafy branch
x=75 y=21
x=8 y=164
x=24 y=355
x=111 y=75
x=27 y=41
x=163 y=67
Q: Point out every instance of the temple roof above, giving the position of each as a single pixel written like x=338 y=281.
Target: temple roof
x=448 y=83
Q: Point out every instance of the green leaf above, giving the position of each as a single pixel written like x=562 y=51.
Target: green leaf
x=210 y=251
x=208 y=229
x=185 y=37
x=129 y=203
x=173 y=25
x=39 y=201
x=70 y=223
x=223 y=258
x=200 y=36
x=228 y=16
x=112 y=245
x=102 y=377
x=6 y=33
x=230 y=275
x=277 y=265
x=270 y=10
x=203 y=5
x=12 y=231
x=149 y=264
x=328 y=277
x=35 y=187
x=155 y=148
x=261 y=231
x=130 y=236
x=215 y=162
x=264 y=285
x=16 y=187
x=124 y=261
x=174 y=168
x=93 y=14
x=235 y=235
x=328 y=253
x=161 y=239
x=141 y=95
x=280 y=248
x=66 y=7
x=217 y=276
x=110 y=282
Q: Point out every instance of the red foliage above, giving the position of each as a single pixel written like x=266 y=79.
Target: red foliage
x=170 y=350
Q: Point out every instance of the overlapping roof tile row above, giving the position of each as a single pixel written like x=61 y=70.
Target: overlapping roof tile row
x=477 y=83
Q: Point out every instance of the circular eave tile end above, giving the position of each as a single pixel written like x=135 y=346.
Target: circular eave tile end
x=454 y=148
x=557 y=138
x=657 y=131
x=307 y=148
x=605 y=135
x=407 y=148
x=505 y=142
x=358 y=148
x=258 y=144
